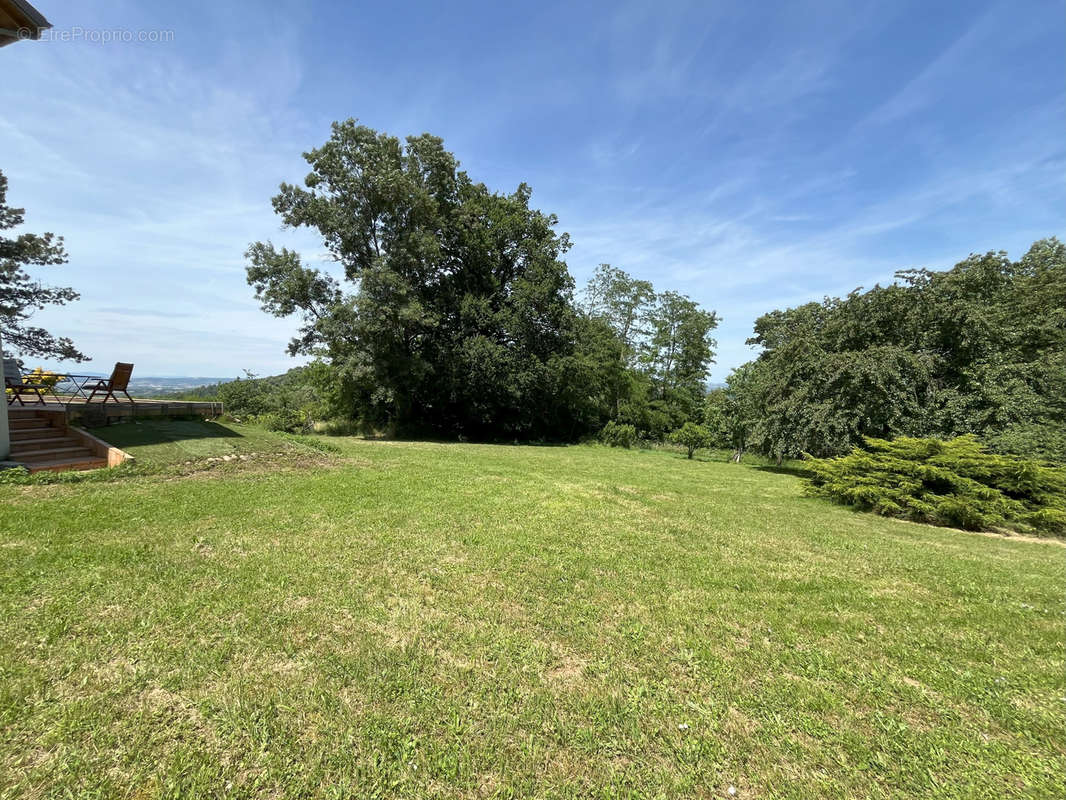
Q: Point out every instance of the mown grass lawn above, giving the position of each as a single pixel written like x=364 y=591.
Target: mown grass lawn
x=167 y=442
x=431 y=620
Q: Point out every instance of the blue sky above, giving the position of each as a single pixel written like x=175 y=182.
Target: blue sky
x=753 y=156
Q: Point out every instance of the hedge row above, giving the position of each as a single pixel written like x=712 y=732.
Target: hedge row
x=955 y=483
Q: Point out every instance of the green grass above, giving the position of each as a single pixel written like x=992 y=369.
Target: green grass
x=169 y=442
x=430 y=620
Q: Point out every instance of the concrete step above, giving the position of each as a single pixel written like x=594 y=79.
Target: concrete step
x=64 y=464
x=44 y=442
x=15 y=423
x=37 y=432
x=35 y=412
x=69 y=450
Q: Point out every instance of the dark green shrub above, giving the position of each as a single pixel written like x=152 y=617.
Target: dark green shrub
x=1035 y=441
x=283 y=420
x=955 y=483
x=342 y=427
x=618 y=435
x=243 y=397
x=692 y=437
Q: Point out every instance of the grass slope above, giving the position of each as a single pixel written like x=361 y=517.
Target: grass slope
x=169 y=442
x=426 y=620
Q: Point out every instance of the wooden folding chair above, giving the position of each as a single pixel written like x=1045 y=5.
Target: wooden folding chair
x=119 y=380
x=14 y=381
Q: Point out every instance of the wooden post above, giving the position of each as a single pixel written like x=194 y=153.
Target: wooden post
x=5 y=436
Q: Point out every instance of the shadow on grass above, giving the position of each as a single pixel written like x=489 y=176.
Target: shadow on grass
x=417 y=438
x=472 y=440
x=135 y=434
x=786 y=469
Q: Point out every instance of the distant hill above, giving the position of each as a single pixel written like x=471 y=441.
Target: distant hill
x=207 y=388
x=158 y=385
x=151 y=386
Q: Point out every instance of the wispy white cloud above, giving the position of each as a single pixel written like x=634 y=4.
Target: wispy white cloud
x=997 y=28
x=923 y=89
x=158 y=178
x=746 y=265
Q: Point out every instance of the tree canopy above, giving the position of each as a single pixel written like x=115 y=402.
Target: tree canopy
x=665 y=350
x=451 y=308
x=22 y=294
x=979 y=348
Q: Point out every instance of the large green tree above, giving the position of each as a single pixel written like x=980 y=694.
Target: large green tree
x=680 y=352
x=624 y=305
x=979 y=348
x=664 y=344
x=731 y=414
x=22 y=294
x=452 y=308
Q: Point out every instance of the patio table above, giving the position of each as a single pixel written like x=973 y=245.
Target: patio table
x=77 y=385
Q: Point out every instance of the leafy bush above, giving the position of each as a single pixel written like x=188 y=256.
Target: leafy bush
x=284 y=420
x=13 y=475
x=1038 y=442
x=20 y=476
x=42 y=377
x=617 y=435
x=692 y=437
x=956 y=483
x=243 y=396
x=341 y=427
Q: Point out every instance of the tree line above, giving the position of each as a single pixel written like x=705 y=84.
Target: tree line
x=452 y=312
x=977 y=349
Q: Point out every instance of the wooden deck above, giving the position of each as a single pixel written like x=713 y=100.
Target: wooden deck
x=43 y=436
x=96 y=413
